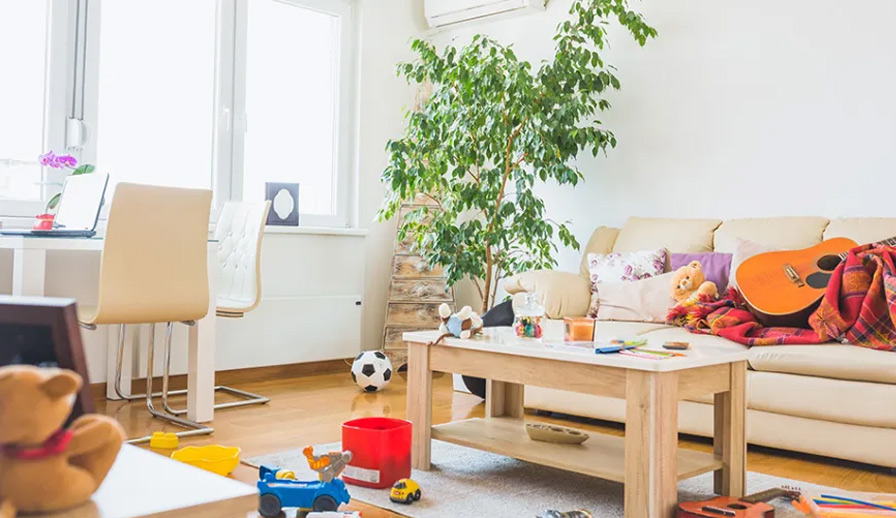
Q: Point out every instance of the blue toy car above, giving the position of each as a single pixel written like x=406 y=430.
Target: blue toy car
x=277 y=493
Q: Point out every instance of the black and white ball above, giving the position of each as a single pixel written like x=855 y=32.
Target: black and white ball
x=371 y=371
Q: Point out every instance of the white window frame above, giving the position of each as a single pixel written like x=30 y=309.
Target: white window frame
x=345 y=178
x=63 y=22
x=71 y=102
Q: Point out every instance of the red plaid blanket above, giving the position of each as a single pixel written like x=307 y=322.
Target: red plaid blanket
x=860 y=302
x=859 y=306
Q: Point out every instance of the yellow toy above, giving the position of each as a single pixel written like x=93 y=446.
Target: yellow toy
x=217 y=459
x=163 y=441
x=405 y=491
x=689 y=283
x=329 y=465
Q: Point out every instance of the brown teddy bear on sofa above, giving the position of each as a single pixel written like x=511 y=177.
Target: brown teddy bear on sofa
x=44 y=467
x=689 y=284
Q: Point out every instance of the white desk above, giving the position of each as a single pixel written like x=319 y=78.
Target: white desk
x=143 y=484
x=28 y=277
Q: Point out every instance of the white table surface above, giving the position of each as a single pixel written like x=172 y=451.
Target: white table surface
x=143 y=484
x=29 y=275
x=503 y=340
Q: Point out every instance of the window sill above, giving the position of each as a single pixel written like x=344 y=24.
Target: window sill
x=321 y=231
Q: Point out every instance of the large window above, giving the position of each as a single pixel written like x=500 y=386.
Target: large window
x=155 y=105
x=221 y=94
x=23 y=62
x=291 y=92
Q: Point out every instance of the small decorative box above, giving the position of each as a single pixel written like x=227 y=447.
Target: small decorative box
x=578 y=329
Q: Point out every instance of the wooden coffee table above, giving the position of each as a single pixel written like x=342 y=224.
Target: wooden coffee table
x=647 y=460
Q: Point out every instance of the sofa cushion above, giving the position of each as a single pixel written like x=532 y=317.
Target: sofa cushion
x=601 y=242
x=847 y=362
x=780 y=233
x=675 y=235
x=825 y=399
x=862 y=230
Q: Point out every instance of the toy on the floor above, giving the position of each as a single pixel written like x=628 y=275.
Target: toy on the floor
x=405 y=491
x=329 y=465
x=689 y=284
x=221 y=460
x=578 y=513
x=163 y=441
x=463 y=324
x=45 y=467
x=371 y=371
x=275 y=494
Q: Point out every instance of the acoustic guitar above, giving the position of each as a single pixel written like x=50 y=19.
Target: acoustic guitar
x=783 y=288
x=753 y=506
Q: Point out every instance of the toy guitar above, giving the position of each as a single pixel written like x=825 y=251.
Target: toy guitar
x=752 y=506
x=783 y=288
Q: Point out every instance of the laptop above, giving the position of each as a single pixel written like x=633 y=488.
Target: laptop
x=79 y=208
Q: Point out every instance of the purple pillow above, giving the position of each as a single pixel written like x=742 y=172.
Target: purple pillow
x=716 y=266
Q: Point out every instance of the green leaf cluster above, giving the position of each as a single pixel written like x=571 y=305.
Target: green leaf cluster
x=492 y=128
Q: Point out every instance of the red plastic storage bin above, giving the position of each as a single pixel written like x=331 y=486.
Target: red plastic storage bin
x=381 y=451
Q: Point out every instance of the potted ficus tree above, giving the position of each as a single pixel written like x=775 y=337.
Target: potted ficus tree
x=492 y=128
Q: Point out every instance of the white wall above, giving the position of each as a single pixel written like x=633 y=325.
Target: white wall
x=740 y=108
x=387 y=29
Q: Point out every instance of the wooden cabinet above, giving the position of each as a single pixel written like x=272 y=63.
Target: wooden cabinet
x=415 y=293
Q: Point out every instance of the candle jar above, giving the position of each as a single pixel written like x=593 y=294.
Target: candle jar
x=528 y=314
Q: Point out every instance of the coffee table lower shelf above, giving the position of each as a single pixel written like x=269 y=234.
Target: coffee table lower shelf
x=601 y=456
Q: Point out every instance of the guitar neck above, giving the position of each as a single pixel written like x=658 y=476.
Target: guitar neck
x=765 y=496
x=887 y=242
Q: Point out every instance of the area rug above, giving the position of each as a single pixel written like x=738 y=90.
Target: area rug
x=470 y=483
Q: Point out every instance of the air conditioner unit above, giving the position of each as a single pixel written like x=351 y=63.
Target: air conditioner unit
x=448 y=13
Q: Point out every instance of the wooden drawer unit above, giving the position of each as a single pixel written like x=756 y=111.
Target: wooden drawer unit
x=419 y=290
x=414 y=266
x=415 y=294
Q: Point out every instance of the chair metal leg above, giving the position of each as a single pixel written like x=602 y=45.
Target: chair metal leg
x=118 y=389
x=193 y=428
x=249 y=397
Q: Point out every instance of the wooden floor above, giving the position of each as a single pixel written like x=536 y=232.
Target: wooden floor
x=310 y=410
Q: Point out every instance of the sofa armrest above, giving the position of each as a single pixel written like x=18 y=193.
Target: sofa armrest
x=564 y=294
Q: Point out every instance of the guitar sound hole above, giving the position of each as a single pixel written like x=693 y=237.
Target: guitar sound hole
x=818 y=280
x=737 y=506
x=829 y=263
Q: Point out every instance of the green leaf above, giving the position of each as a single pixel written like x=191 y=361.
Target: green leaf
x=84 y=169
x=54 y=201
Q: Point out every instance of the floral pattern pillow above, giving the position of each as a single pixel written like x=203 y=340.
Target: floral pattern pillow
x=624 y=267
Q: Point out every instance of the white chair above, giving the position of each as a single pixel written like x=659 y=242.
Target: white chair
x=239 y=232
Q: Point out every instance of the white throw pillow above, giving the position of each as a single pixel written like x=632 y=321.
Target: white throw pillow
x=647 y=300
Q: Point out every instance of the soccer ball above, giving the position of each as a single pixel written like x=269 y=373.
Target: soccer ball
x=371 y=371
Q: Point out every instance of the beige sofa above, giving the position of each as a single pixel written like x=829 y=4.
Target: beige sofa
x=833 y=399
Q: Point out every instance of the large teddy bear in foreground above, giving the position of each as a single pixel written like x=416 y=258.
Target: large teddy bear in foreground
x=44 y=467
x=689 y=284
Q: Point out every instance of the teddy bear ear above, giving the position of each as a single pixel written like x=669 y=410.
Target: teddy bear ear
x=61 y=384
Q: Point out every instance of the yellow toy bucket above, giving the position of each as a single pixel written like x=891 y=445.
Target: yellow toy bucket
x=217 y=459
